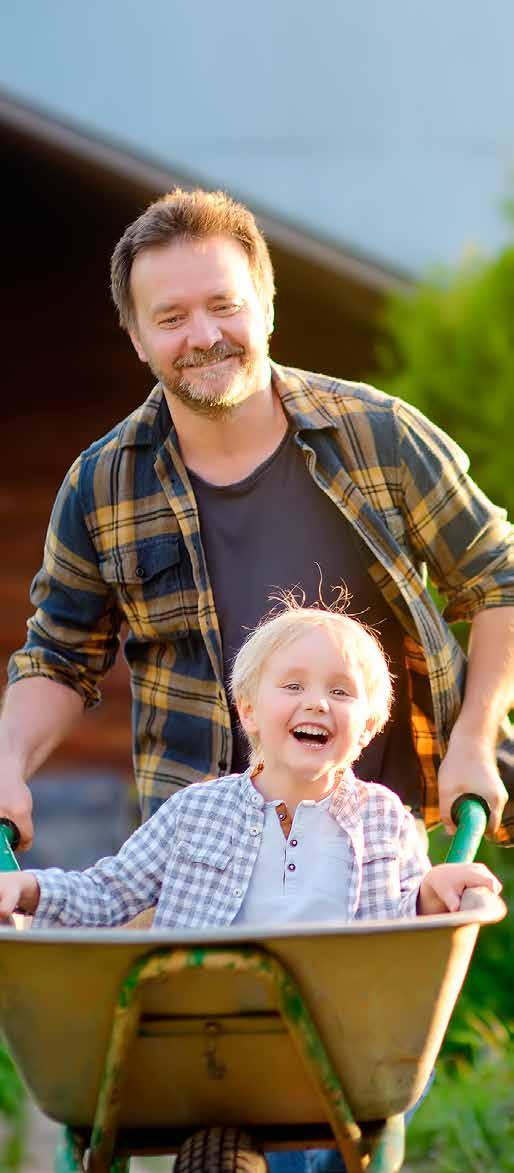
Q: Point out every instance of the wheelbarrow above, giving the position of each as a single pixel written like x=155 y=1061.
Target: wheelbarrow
x=303 y=1035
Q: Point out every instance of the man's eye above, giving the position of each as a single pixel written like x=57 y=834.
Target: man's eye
x=227 y=307
x=172 y=321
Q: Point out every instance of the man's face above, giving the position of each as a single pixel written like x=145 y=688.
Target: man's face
x=200 y=323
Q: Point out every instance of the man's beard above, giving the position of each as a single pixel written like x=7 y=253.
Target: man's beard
x=208 y=396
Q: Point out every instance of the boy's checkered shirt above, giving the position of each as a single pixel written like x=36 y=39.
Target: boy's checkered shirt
x=195 y=857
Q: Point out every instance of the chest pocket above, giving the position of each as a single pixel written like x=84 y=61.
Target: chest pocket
x=199 y=856
x=147 y=579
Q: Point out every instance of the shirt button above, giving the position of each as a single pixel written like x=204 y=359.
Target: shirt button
x=291 y=867
x=238 y=892
x=255 y=798
x=294 y=843
x=140 y=571
x=254 y=831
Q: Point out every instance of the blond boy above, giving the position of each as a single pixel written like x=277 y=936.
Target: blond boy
x=296 y=837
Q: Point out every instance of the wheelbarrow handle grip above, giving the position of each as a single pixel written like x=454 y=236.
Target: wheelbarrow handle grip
x=9 y=839
x=470 y=814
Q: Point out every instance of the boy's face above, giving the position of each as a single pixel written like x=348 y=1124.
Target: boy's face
x=311 y=711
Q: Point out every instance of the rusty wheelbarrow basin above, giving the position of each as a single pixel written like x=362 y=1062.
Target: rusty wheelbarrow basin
x=212 y=1047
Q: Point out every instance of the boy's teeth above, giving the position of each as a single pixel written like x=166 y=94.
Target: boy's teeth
x=312 y=732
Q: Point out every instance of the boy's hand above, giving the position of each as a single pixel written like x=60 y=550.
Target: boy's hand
x=442 y=887
x=19 y=892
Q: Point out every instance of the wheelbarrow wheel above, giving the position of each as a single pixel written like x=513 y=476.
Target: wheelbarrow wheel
x=220 y=1150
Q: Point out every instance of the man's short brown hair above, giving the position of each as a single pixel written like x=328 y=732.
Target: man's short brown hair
x=183 y=215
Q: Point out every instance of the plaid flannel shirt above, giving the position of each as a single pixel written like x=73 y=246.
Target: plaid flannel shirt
x=195 y=857
x=124 y=544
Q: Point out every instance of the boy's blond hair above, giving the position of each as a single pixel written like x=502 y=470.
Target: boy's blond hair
x=278 y=631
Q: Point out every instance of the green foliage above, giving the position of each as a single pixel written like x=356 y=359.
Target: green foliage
x=448 y=348
x=488 y=988
x=12 y=1115
x=466 y=1123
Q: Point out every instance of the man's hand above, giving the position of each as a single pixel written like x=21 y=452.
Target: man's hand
x=470 y=768
x=442 y=887
x=16 y=799
x=19 y=891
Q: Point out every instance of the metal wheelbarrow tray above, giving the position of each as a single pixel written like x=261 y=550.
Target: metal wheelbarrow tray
x=134 y=1039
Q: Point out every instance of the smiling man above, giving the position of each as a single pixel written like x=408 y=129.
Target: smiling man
x=238 y=477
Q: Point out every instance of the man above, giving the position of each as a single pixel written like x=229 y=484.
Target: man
x=237 y=478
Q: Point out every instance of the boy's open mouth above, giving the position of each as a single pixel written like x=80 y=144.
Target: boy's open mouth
x=311 y=735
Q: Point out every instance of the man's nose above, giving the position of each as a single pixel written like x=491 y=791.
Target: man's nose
x=203 y=331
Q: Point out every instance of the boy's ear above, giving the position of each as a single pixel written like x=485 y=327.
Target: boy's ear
x=367 y=733
x=246 y=714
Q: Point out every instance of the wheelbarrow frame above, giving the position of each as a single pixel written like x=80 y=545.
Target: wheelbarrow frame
x=376 y=1146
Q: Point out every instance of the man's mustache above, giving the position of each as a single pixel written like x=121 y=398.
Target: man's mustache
x=202 y=358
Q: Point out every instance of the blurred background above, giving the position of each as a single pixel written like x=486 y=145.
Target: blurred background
x=375 y=143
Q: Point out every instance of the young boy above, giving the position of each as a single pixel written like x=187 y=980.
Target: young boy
x=297 y=837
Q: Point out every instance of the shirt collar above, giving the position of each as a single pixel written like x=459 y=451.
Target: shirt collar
x=348 y=799
x=307 y=407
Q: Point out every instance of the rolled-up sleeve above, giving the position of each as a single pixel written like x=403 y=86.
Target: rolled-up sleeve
x=466 y=542
x=73 y=635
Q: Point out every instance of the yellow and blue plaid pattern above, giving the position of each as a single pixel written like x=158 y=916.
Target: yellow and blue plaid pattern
x=124 y=544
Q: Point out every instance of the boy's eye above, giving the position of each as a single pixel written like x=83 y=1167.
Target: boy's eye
x=340 y=692
x=293 y=686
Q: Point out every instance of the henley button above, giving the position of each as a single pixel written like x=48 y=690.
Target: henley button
x=140 y=571
x=291 y=867
x=281 y=816
x=294 y=843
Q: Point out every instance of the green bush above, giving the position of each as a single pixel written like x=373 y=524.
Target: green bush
x=13 y=1101
x=467 y=1123
x=448 y=348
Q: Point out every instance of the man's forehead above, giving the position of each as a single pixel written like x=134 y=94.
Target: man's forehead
x=181 y=263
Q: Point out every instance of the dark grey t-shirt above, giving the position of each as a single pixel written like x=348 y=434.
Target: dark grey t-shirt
x=275 y=530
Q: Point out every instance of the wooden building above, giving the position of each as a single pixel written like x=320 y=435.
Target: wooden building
x=70 y=373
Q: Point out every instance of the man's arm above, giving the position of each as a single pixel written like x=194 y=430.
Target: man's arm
x=37 y=715
x=72 y=640
x=468 y=547
x=470 y=761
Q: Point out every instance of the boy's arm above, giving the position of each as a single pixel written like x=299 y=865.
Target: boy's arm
x=414 y=864
x=115 y=889
x=442 y=887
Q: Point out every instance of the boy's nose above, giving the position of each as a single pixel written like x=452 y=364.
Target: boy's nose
x=319 y=706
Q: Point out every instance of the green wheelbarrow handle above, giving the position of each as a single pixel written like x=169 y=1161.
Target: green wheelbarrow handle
x=470 y=814
x=9 y=839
